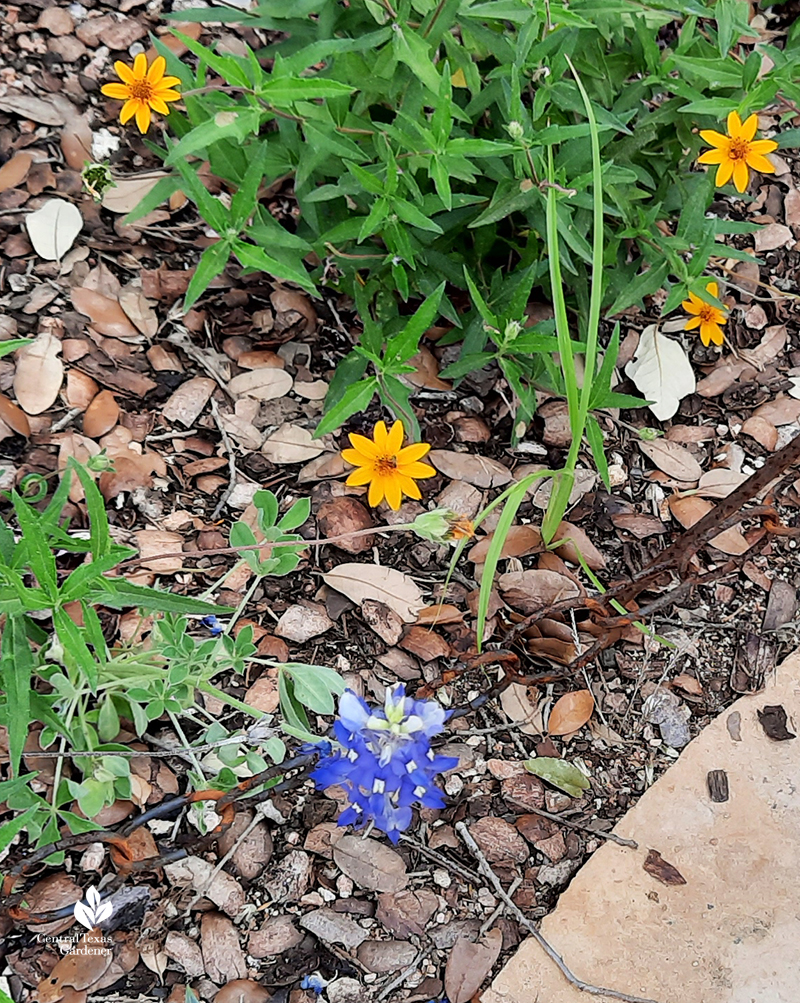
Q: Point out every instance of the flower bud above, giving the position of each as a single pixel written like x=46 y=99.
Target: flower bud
x=515 y=130
x=442 y=525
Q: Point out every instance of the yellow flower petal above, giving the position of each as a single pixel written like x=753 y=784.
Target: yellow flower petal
x=759 y=163
x=763 y=146
x=413 y=452
x=380 y=435
x=125 y=73
x=749 y=129
x=158 y=105
x=734 y=125
x=724 y=173
x=361 y=444
x=408 y=487
x=712 y=157
x=416 y=469
x=713 y=288
x=360 y=477
x=394 y=441
x=705 y=337
x=714 y=138
x=693 y=305
x=357 y=459
x=120 y=92
x=376 y=492
x=140 y=67
x=741 y=175
x=692 y=324
x=143 y=116
x=156 y=71
x=394 y=494
x=167 y=82
x=128 y=110
x=716 y=334
x=167 y=95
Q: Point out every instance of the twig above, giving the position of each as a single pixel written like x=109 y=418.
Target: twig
x=439 y=858
x=403 y=975
x=232 y=472
x=522 y=919
x=585 y=828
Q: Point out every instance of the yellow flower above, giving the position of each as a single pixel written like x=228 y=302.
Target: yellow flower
x=737 y=151
x=388 y=468
x=142 y=90
x=706 y=316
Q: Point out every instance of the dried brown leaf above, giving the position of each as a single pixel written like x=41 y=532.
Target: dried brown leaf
x=261 y=384
x=372 y=865
x=570 y=712
x=39 y=373
x=469 y=964
x=662 y=870
x=14 y=417
x=482 y=471
x=373 y=581
x=101 y=415
x=691 y=509
x=15 y=170
x=673 y=459
x=106 y=315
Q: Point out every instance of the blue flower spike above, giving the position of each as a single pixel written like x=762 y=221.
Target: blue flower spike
x=213 y=625
x=384 y=760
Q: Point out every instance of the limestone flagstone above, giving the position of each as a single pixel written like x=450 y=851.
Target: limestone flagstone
x=731 y=934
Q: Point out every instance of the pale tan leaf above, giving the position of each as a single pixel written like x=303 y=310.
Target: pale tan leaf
x=373 y=866
x=290 y=443
x=106 y=315
x=531 y=591
x=662 y=372
x=570 y=712
x=373 y=581
x=519 y=541
x=27 y=106
x=469 y=964
x=673 y=459
x=516 y=704
x=482 y=471
x=719 y=482
x=39 y=373
x=577 y=544
x=426 y=371
x=263 y=384
x=772 y=342
x=81 y=389
x=129 y=192
x=53 y=228
x=139 y=310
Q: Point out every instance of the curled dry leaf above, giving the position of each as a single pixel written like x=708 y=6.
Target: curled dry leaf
x=691 y=509
x=570 y=712
x=14 y=417
x=719 y=482
x=516 y=704
x=263 y=384
x=15 y=171
x=373 y=581
x=101 y=415
x=152 y=542
x=53 y=228
x=39 y=373
x=106 y=315
x=36 y=109
x=662 y=870
x=289 y=443
x=481 y=471
x=771 y=344
x=139 y=310
x=243 y=991
x=673 y=459
x=346 y=515
x=289 y=301
x=469 y=964
x=662 y=372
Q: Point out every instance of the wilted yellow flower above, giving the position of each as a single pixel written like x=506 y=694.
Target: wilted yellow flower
x=442 y=525
x=737 y=152
x=388 y=467
x=706 y=316
x=142 y=90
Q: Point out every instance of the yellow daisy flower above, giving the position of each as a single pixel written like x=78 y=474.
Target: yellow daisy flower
x=737 y=151
x=142 y=90
x=706 y=316
x=388 y=467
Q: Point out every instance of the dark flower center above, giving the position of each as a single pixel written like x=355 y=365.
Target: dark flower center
x=141 y=90
x=738 y=149
x=386 y=464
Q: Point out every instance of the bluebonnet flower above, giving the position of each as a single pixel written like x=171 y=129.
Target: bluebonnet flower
x=213 y=624
x=315 y=982
x=385 y=761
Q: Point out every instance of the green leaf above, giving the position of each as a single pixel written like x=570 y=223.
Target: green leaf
x=7 y=347
x=594 y=434
x=559 y=773
x=118 y=593
x=412 y=50
x=410 y=214
x=237 y=123
x=297 y=515
x=288 y=90
x=355 y=399
x=228 y=67
x=404 y=345
x=75 y=648
x=16 y=664
x=38 y=555
x=8 y=833
x=211 y=264
x=366 y=179
x=644 y=284
x=257 y=258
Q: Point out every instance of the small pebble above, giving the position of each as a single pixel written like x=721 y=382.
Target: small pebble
x=441 y=878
